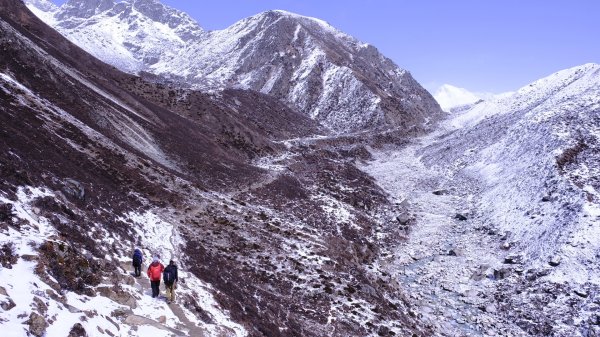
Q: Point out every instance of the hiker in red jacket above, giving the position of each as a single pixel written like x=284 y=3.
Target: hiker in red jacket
x=154 y=273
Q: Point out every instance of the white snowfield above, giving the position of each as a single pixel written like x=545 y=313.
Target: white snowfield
x=541 y=121
x=511 y=145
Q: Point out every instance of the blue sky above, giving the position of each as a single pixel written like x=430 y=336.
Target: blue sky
x=481 y=45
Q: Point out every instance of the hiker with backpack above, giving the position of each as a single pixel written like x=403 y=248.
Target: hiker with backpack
x=154 y=272
x=170 y=278
x=137 y=260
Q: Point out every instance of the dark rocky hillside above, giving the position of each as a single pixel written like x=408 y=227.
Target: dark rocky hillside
x=276 y=236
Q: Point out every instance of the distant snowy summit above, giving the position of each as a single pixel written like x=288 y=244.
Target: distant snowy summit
x=132 y=35
x=581 y=83
x=459 y=100
x=332 y=77
x=451 y=98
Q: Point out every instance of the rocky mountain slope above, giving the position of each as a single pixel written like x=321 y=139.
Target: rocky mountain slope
x=276 y=231
x=331 y=77
x=506 y=194
x=547 y=132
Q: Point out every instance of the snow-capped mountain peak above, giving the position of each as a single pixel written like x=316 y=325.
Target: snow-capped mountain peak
x=328 y=75
x=84 y=14
x=449 y=96
x=43 y=5
x=130 y=35
x=84 y=8
x=322 y=24
x=186 y=26
x=455 y=99
x=43 y=9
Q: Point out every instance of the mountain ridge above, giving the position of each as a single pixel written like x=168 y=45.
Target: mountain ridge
x=330 y=76
x=528 y=96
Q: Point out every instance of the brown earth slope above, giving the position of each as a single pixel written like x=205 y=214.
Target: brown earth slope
x=287 y=232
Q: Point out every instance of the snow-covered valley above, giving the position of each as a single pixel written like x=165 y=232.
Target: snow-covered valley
x=505 y=239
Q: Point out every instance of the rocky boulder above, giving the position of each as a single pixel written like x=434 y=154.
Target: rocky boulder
x=74 y=189
x=8 y=257
x=513 y=259
x=77 y=331
x=555 y=261
x=37 y=324
x=118 y=295
x=7 y=303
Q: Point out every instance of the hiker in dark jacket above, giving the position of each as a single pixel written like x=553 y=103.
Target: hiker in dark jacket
x=137 y=260
x=170 y=278
x=154 y=272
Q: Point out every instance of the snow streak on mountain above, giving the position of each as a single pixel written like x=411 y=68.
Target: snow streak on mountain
x=343 y=83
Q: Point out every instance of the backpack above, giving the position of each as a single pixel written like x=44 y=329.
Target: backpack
x=137 y=257
x=154 y=271
x=169 y=275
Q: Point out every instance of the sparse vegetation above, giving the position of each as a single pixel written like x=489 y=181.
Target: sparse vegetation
x=569 y=155
x=8 y=256
x=6 y=215
x=68 y=267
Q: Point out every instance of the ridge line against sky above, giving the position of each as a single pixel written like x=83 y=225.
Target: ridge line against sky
x=484 y=46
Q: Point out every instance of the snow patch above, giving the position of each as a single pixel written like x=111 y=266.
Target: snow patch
x=160 y=237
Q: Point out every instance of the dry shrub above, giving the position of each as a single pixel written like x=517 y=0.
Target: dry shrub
x=6 y=216
x=8 y=257
x=570 y=155
x=72 y=270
